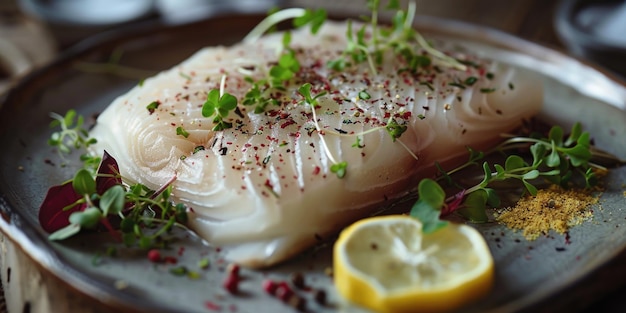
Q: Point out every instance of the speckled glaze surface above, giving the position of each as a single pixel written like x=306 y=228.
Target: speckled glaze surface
x=547 y=274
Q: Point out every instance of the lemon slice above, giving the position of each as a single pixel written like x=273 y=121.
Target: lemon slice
x=387 y=264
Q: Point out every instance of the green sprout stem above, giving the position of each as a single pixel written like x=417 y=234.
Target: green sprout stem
x=515 y=142
x=271 y=21
x=555 y=158
x=322 y=139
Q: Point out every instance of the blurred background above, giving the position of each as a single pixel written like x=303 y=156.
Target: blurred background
x=32 y=32
x=35 y=32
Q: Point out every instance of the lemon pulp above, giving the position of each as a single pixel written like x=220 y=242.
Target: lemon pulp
x=388 y=265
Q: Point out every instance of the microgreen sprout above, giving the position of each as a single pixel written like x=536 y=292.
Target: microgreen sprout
x=555 y=158
x=88 y=201
x=357 y=143
x=394 y=129
x=357 y=50
x=218 y=105
x=96 y=196
x=152 y=106
x=279 y=74
x=300 y=17
x=427 y=208
x=339 y=168
x=305 y=91
x=257 y=96
x=399 y=37
x=182 y=132
x=72 y=136
x=288 y=65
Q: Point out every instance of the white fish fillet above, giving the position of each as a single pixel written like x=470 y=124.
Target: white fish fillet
x=264 y=189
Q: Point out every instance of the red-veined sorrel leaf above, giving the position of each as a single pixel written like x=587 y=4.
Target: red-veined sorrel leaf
x=52 y=217
x=108 y=174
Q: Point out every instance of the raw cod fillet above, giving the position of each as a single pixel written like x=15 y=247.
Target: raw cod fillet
x=264 y=189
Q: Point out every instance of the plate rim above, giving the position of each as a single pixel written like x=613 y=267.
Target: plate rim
x=36 y=246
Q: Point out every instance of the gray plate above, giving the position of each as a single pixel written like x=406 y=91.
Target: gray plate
x=543 y=274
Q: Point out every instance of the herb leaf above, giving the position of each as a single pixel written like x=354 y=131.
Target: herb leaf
x=182 y=132
x=86 y=219
x=84 y=183
x=218 y=107
x=72 y=136
x=314 y=18
x=475 y=205
x=428 y=207
x=394 y=129
x=65 y=232
x=339 y=169
x=553 y=158
x=113 y=200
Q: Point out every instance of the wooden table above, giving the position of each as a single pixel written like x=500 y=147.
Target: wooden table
x=28 y=289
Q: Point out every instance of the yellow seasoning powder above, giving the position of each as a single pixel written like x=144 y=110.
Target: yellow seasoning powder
x=553 y=208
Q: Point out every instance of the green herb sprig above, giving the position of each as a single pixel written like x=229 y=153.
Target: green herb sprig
x=287 y=67
x=555 y=158
x=284 y=70
x=300 y=17
x=399 y=37
x=257 y=95
x=139 y=209
x=97 y=188
x=72 y=136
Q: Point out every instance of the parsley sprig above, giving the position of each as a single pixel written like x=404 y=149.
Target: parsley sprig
x=557 y=158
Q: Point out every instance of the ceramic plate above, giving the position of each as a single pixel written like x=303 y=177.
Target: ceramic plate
x=541 y=274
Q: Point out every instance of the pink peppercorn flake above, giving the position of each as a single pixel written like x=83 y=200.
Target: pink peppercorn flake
x=283 y=291
x=170 y=260
x=231 y=284
x=270 y=286
x=233 y=269
x=154 y=255
x=212 y=306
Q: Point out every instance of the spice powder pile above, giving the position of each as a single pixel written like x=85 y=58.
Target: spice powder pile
x=551 y=209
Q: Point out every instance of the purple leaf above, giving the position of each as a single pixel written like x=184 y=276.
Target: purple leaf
x=52 y=217
x=108 y=174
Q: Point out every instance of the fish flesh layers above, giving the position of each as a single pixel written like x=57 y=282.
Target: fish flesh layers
x=264 y=189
